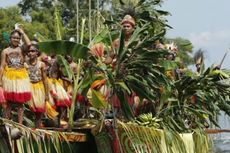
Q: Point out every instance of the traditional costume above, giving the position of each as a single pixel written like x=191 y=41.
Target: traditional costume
x=61 y=98
x=37 y=103
x=15 y=80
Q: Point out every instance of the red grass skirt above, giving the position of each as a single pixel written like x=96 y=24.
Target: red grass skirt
x=16 y=85
x=59 y=94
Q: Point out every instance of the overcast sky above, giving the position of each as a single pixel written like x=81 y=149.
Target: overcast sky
x=4 y=3
x=205 y=23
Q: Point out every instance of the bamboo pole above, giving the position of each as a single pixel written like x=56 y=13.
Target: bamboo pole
x=77 y=25
x=215 y=131
x=90 y=22
x=98 y=17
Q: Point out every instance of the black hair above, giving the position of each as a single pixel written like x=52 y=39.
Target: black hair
x=53 y=55
x=37 y=48
x=68 y=57
x=15 y=31
x=130 y=11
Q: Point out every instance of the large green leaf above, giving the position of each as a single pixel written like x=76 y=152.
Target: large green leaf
x=98 y=100
x=64 y=47
x=127 y=111
x=66 y=67
x=168 y=64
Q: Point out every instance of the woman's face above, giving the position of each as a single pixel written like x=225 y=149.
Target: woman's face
x=32 y=52
x=15 y=39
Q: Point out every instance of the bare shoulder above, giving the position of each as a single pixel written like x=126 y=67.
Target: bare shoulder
x=4 y=51
x=42 y=64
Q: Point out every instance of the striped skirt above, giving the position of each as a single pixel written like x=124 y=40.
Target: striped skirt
x=16 y=85
x=37 y=103
x=59 y=94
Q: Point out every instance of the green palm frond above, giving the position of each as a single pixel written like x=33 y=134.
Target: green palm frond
x=63 y=47
x=144 y=139
x=58 y=23
x=33 y=141
x=198 y=100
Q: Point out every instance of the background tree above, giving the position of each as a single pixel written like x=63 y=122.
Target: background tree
x=8 y=18
x=185 y=49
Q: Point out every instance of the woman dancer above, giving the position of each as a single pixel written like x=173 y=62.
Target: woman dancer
x=39 y=83
x=13 y=75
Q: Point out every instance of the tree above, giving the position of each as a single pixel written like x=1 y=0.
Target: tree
x=28 y=6
x=8 y=18
x=40 y=21
x=185 y=49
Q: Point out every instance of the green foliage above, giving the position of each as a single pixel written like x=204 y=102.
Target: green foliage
x=64 y=47
x=33 y=5
x=145 y=139
x=137 y=67
x=8 y=18
x=195 y=101
x=185 y=49
x=41 y=22
x=32 y=141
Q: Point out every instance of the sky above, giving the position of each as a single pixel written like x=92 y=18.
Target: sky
x=5 y=3
x=205 y=23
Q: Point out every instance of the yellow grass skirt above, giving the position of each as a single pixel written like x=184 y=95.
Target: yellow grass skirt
x=37 y=103
x=16 y=85
x=59 y=94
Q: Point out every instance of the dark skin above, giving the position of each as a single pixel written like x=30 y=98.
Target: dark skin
x=128 y=29
x=13 y=51
x=56 y=73
x=33 y=60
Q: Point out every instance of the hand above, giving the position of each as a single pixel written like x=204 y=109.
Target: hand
x=20 y=30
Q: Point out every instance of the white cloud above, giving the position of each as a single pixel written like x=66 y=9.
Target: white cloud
x=209 y=39
x=215 y=44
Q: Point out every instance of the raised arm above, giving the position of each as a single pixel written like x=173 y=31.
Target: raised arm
x=25 y=38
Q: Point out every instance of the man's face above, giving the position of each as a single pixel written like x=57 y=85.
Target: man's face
x=128 y=28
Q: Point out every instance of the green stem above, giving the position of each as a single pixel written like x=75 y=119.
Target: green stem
x=82 y=30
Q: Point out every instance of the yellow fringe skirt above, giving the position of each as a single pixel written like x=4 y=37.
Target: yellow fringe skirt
x=37 y=103
x=59 y=94
x=16 y=85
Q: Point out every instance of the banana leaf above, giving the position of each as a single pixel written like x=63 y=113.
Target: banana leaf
x=98 y=100
x=127 y=111
x=40 y=37
x=64 y=47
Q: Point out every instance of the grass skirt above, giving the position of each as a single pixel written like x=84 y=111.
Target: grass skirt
x=16 y=85
x=59 y=94
x=37 y=103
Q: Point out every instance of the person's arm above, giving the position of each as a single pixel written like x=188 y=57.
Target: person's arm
x=45 y=82
x=25 y=38
x=3 y=63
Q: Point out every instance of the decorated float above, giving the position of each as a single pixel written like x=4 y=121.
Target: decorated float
x=129 y=96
